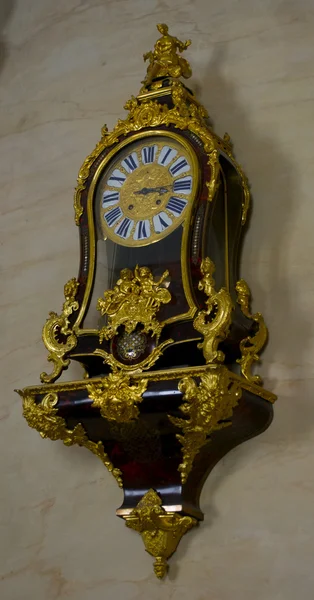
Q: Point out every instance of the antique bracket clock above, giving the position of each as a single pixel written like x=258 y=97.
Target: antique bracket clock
x=158 y=316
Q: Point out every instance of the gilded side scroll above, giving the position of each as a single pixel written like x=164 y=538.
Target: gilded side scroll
x=214 y=322
x=251 y=346
x=57 y=334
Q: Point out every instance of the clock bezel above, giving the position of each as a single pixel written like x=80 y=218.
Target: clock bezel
x=105 y=164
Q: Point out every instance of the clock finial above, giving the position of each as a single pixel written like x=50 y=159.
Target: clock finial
x=164 y=60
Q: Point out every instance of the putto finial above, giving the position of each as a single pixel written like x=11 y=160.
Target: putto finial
x=164 y=59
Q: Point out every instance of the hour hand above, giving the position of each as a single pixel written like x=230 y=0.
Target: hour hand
x=143 y=191
x=159 y=190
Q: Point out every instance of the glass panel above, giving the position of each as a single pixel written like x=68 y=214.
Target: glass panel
x=111 y=259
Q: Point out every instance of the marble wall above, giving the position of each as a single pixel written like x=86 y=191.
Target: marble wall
x=66 y=68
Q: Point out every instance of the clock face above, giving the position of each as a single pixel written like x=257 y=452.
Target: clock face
x=146 y=190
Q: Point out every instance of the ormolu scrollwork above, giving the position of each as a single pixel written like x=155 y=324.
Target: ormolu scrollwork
x=134 y=303
x=208 y=407
x=214 y=322
x=145 y=364
x=58 y=336
x=251 y=346
x=117 y=398
x=44 y=418
x=161 y=531
x=135 y=300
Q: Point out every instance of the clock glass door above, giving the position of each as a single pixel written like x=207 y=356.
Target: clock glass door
x=142 y=198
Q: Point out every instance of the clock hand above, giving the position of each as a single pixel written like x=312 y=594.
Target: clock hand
x=159 y=189
x=143 y=191
x=162 y=190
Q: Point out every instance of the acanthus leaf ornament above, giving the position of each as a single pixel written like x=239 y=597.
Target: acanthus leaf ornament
x=43 y=417
x=208 y=407
x=58 y=336
x=251 y=345
x=214 y=322
x=116 y=398
x=161 y=531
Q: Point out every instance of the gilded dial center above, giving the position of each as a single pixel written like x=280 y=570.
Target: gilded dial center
x=146 y=191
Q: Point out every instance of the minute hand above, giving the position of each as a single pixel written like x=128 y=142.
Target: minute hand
x=159 y=189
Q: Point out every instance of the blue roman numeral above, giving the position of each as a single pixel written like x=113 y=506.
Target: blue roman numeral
x=149 y=154
x=113 y=215
x=129 y=160
x=123 y=228
x=178 y=166
x=176 y=205
x=166 y=156
x=114 y=197
x=142 y=233
x=114 y=178
x=161 y=222
x=180 y=185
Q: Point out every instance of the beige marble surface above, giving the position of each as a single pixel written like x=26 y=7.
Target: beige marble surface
x=66 y=68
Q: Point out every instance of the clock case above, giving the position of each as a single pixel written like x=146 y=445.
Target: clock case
x=214 y=229
x=153 y=450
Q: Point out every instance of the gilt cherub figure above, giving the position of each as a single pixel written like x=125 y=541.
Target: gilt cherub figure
x=164 y=60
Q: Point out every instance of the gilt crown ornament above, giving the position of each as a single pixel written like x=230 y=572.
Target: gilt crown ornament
x=158 y=317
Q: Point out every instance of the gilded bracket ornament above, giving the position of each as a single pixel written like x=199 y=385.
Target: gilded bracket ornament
x=208 y=407
x=161 y=531
x=116 y=398
x=251 y=346
x=214 y=322
x=45 y=419
x=58 y=337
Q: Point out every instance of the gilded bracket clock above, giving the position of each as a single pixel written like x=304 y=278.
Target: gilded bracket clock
x=158 y=317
